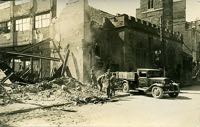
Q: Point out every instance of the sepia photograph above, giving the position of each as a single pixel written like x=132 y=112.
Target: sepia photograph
x=99 y=63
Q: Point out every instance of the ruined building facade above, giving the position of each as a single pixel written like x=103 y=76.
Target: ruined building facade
x=24 y=29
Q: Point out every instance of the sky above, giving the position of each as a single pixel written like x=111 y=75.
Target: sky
x=129 y=7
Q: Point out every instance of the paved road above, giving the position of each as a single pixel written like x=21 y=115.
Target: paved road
x=145 y=111
x=130 y=111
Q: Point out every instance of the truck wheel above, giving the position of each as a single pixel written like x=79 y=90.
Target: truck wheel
x=175 y=94
x=157 y=92
x=125 y=87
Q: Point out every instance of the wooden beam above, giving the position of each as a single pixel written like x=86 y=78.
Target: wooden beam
x=65 y=63
x=30 y=55
x=34 y=45
x=57 y=50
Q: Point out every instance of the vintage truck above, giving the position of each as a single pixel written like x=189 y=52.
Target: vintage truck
x=148 y=81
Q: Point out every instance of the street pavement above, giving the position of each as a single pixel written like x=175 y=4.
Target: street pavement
x=146 y=111
x=122 y=111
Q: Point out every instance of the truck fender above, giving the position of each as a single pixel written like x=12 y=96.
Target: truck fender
x=155 y=84
x=175 y=84
x=124 y=81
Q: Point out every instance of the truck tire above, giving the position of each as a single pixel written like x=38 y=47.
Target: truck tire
x=126 y=87
x=157 y=92
x=175 y=94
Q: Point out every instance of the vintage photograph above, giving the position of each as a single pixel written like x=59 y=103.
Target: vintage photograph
x=99 y=63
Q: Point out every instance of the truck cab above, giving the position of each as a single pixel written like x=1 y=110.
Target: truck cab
x=145 y=75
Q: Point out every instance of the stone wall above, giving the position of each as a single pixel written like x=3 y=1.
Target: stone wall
x=192 y=37
x=141 y=41
x=161 y=8
x=179 y=16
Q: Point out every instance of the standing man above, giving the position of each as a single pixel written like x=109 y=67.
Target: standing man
x=93 y=79
x=107 y=77
x=100 y=81
x=112 y=84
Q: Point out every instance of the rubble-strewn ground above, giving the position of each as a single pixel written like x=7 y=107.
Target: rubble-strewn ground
x=44 y=118
x=46 y=103
x=37 y=107
x=57 y=90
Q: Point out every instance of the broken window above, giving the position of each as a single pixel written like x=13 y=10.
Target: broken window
x=9 y=25
x=23 y=24
x=150 y=4
x=17 y=2
x=4 y=27
x=42 y=21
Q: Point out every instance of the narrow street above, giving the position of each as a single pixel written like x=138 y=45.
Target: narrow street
x=142 y=111
x=129 y=111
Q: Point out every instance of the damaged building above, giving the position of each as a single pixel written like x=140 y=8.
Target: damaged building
x=120 y=42
x=24 y=35
x=88 y=38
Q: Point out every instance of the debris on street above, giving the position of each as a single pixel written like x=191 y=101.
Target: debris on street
x=62 y=89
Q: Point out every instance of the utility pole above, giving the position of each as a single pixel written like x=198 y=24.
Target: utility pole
x=12 y=29
x=194 y=44
x=162 y=45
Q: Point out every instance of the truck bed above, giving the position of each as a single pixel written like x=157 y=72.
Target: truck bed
x=126 y=75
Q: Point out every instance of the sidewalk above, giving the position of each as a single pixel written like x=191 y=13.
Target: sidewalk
x=26 y=107
x=30 y=106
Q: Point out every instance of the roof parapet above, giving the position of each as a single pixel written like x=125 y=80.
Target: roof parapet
x=145 y=25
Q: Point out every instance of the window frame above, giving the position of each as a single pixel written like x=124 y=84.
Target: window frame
x=20 y=24
x=42 y=20
x=150 y=4
x=5 y=27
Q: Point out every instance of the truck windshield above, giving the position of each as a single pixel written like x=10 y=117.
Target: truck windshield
x=154 y=74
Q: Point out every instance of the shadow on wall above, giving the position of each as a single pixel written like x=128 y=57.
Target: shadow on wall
x=107 y=51
x=76 y=66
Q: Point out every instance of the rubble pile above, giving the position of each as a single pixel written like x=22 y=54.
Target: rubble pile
x=63 y=89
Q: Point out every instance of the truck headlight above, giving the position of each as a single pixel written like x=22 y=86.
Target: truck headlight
x=175 y=84
x=163 y=82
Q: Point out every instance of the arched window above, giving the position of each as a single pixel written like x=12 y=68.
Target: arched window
x=150 y=4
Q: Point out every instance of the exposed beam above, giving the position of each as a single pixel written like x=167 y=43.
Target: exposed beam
x=30 y=55
x=35 y=45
